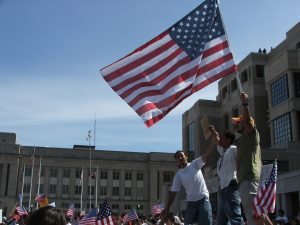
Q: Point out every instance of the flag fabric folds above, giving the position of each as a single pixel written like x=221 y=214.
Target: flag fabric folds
x=71 y=211
x=130 y=216
x=188 y=56
x=42 y=200
x=89 y=218
x=104 y=216
x=157 y=209
x=21 y=211
x=265 y=200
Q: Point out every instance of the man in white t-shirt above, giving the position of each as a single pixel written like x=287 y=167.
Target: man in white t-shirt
x=198 y=208
x=229 y=209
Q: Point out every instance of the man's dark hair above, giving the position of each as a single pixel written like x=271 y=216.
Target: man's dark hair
x=47 y=216
x=229 y=135
x=177 y=152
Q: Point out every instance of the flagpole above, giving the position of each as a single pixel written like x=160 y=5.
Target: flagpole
x=31 y=179
x=96 y=194
x=81 y=184
x=39 y=182
x=90 y=185
x=18 y=171
x=236 y=71
x=23 y=178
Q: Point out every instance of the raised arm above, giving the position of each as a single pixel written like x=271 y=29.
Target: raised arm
x=214 y=140
x=248 y=122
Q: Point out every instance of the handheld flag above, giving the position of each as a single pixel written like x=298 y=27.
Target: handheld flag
x=188 y=56
x=71 y=211
x=104 y=216
x=42 y=200
x=157 y=209
x=130 y=216
x=21 y=211
x=89 y=218
x=265 y=200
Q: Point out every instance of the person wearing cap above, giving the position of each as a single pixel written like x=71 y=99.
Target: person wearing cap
x=248 y=158
x=229 y=208
x=189 y=176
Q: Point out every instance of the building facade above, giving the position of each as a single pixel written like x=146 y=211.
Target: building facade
x=129 y=179
x=272 y=82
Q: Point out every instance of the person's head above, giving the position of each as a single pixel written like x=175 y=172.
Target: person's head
x=280 y=212
x=239 y=124
x=226 y=139
x=181 y=159
x=47 y=216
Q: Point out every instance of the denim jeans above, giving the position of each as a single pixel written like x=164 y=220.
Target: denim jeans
x=229 y=208
x=198 y=212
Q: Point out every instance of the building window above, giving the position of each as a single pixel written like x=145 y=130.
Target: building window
x=66 y=173
x=78 y=173
x=42 y=172
x=224 y=92
x=116 y=175
x=279 y=90
x=127 y=206
x=103 y=175
x=53 y=172
x=191 y=144
x=103 y=190
x=282 y=129
x=297 y=84
x=65 y=189
x=114 y=206
x=77 y=190
x=115 y=191
x=77 y=206
x=140 y=176
x=52 y=189
x=41 y=188
x=27 y=172
x=127 y=176
x=244 y=76
x=65 y=205
x=127 y=191
x=167 y=177
x=26 y=188
x=233 y=85
x=140 y=192
x=260 y=70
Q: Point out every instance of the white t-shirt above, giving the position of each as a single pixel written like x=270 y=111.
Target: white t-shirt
x=191 y=178
x=226 y=165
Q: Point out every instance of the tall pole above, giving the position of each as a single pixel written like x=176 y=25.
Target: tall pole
x=96 y=194
x=32 y=166
x=90 y=183
x=81 y=185
x=39 y=182
x=18 y=171
x=22 y=191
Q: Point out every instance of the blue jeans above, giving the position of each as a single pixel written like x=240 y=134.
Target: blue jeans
x=198 y=212
x=229 y=206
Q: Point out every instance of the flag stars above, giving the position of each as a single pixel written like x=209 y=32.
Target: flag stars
x=189 y=18
x=187 y=25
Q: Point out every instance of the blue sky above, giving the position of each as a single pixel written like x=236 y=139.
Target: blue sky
x=51 y=53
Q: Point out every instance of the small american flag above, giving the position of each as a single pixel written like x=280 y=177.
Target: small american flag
x=104 y=216
x=40 y=197
x=265 y=200
x=188 y=56
x=21 y=211
x=71 y=211
x=130 y=216
x=157 y=209
x=89 y=218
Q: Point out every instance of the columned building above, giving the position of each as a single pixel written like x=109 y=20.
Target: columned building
x=129 y=179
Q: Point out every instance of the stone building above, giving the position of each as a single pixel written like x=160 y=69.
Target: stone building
x=129 y=179
x=272 y=81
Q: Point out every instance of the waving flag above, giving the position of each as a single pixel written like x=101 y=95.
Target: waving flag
x=188 y=56
x=71 y=211
x=104 y=216
x=89 y=218
x=265 y=200
x=130 y=216
x=21 y=211
x=157 y=209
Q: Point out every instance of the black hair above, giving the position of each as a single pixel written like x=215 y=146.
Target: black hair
x=47 y=216
x=177 y=152
x=229 y=135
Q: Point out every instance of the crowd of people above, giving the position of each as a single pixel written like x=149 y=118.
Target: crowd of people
x=239 y=169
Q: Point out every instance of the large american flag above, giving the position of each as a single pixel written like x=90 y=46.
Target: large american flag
x=89 y=218
x=265 y=200
x=188 y=56
x=157 y=209
x=130 y=216
x=104 y=216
